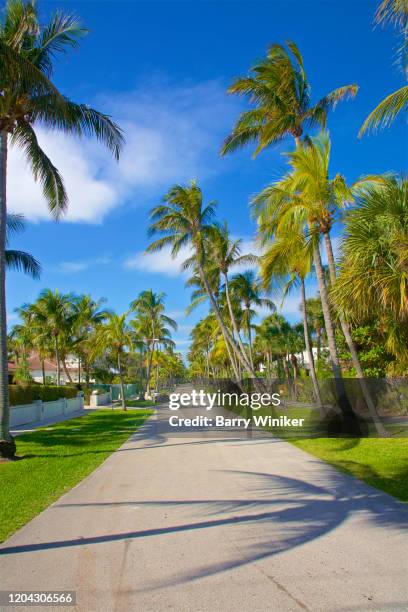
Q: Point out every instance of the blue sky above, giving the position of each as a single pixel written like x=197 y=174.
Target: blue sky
x=161 y=69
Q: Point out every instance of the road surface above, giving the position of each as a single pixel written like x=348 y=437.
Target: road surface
x=191 y=524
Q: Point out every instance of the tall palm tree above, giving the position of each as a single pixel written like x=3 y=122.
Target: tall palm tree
x=114 y=336
x=27 y=54
x=152 y=324
x=247 y=288
x=396 y=12
x=307 y=198
x=279 y=91
x=289 y=259
x=373 y=279
x=183 y=220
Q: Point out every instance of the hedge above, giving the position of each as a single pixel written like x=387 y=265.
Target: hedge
x=26 y=394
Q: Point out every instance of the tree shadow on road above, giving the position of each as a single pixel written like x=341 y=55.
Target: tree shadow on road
x=274 y=515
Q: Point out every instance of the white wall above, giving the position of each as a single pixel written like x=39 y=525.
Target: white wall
x=39 y=411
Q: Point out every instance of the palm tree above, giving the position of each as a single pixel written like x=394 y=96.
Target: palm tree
x=29 y=97
x=271 y=336
x=21 y=337
x=52 y=316
x=183 y=220
x=114 y=336
x=280 y=92
x=372 y=280
x=315 y=321
x=289 y=259
x=151 y=324
x=396 y=12
x=247 y=288
x=307 y=198
x=225 y=253
x=203 y=336
x=88 y=315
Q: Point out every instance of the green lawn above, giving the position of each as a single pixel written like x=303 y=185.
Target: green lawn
x=56 y=458
x=140 y=403
x=380 y=462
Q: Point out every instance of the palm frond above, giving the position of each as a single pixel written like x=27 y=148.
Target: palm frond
x=22 y=261
x=385 y=113
x=42 y=167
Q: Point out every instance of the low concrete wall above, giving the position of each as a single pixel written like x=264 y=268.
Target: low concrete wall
x=39 y=411
x=100 y=399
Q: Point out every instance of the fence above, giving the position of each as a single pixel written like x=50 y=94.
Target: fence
x=40 y=411
x=130 y=390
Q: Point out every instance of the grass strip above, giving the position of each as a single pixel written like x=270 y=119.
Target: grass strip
x=56 y=458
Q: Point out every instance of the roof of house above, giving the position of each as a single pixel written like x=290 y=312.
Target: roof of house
x=34 y=363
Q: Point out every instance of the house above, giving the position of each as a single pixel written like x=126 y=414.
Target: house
x=35 y=367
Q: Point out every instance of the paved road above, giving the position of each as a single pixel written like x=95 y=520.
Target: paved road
x=192 y=524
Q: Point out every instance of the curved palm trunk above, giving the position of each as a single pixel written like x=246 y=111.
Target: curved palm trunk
x=309 y=351
x=334 y=358
x=233 y=319
x=352 y=347
x=122 y=387
x=7 y=444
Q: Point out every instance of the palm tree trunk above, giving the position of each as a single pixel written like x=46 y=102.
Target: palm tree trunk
x=79 y=370
x=250 y=338
x=294 y=362
x=122 y=387
x=309 y=351
x=352 y=347
x=319 y=342
x=57 y=360
x=43 y=371
x=233 y=319
x=149 y=368
x=67 y=374
x=223 y=327
x=7 y=444
x=343 y=400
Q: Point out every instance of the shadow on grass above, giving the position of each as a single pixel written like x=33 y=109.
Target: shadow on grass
x=91 y=431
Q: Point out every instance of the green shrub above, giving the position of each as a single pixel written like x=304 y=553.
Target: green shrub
x=26 y=394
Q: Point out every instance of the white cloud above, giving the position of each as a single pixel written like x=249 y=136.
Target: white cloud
x=74 y=267
x=160 y=262
x=91 y=196
x=172 y=135
x=176 y=314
